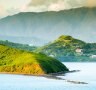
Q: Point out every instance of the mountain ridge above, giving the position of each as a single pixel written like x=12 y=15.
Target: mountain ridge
x=41 y=25
x=52 y=11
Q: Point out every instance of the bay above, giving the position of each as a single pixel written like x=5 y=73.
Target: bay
x=21 y=82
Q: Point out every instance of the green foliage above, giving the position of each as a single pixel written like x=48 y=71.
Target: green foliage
x=18 y=46
x=24 y=62
x=64 y=49
x=63 y=37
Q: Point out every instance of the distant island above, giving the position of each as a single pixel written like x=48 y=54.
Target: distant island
x=16 y=61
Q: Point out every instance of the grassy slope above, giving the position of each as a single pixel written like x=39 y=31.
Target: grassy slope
x=23 y=62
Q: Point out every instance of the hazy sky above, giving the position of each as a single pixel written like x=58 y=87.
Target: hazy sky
x=10 y=7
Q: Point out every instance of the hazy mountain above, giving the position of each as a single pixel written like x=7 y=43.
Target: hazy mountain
x=32 y=41
x=79 y=23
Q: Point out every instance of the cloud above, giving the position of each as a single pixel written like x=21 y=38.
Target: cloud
x=43 y=5
x=55 y=5
x=11 y=7
x=3 y=11
x=48 y=5
x=90 y=3
x=16 y=6
x=58 y=6
x=38 y=2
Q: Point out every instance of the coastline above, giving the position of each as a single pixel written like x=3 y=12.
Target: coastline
x=50 y=76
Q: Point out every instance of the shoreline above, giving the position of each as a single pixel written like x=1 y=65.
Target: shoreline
x=50 y=76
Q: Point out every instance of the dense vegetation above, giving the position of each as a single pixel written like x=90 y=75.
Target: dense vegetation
x=66 y=48
x=23 y=62
x=18 y=46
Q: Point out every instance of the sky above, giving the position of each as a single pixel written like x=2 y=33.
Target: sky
x=11 y=7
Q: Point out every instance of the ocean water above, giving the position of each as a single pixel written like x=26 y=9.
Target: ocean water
x=20 y=82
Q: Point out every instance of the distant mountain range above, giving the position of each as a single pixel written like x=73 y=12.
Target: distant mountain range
x=47 y=26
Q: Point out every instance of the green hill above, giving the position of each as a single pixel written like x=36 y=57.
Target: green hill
x=18 y=45
x=67 y=48
x=23 y=62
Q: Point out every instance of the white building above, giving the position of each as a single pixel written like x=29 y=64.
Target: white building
x=93 y=56
x=78 y=50
x=51 y=55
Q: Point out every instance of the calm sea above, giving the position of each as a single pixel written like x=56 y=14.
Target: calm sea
x=19 y=82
